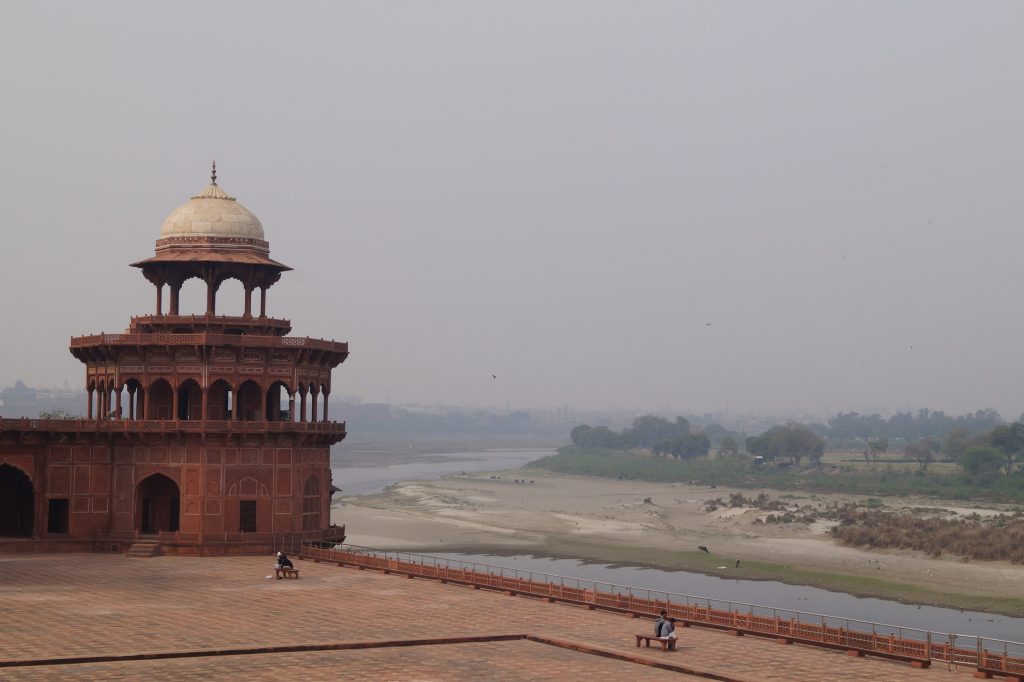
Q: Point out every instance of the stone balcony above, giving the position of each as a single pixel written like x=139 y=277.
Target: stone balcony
x=103 y=347
x=114 y=426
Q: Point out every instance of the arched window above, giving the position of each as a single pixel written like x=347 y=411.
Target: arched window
x=231 y=298
x=249 y=402
x=219 y=402
x=160 y=399
x=192 y=297
x=135 y=398
x=277 y=402
x=311 y=504
x=190 y=400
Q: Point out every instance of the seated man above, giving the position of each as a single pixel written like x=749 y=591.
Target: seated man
x=668 y=631
x=283 y=562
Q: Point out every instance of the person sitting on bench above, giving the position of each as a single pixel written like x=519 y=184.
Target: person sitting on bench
x=668 y=631
x=282 y=562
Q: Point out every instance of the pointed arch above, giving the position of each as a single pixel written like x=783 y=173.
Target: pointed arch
x=190 y=400
x=17 y=501
x=160 y=401
x=220 y=400
x=250 y=401
x=158 y=504
x=278 y=402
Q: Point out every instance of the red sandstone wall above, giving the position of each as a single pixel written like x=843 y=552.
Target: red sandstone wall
x=101 y=483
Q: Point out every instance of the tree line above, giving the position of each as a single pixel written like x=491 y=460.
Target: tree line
x=847 y=429
x=983 y=453
x=661 y=436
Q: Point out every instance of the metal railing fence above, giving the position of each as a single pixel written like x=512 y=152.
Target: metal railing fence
x=883 y=639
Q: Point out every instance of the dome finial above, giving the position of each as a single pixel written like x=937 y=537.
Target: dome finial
x=213 y=173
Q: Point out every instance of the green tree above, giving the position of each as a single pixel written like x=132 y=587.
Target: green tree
x=981 y=461
x=691 y=445
x=760 y=446
x=649 y=429
x=876 y=446
x=922 y=452
x=791 y=440
x=955 y=442
x=1009 y=438
x=662 y=447
x=728 y=446
x=578 y=434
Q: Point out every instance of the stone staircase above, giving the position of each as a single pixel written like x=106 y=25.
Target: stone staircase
x=144 y=548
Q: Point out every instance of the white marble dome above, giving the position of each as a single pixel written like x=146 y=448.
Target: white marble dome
x=212 y=213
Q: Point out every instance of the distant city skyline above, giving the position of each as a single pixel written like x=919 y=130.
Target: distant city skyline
x=786 y=207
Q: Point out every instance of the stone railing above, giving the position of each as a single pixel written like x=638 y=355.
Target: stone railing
x=334 y=534
x=169 y=426
x=989 y=655
x=252 y=320
x=207 y=339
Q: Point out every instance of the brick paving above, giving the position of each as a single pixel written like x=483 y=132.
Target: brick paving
x=108 y=605
x=517 y=660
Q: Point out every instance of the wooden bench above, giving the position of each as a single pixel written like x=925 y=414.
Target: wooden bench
x=288 y=572
x=667 y=643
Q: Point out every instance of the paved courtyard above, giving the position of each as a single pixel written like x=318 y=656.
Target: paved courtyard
x=206 y=610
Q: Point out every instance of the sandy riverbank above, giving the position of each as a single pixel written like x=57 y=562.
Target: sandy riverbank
x=611 y=521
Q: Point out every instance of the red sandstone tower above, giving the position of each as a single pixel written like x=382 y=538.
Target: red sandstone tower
x=207 y=433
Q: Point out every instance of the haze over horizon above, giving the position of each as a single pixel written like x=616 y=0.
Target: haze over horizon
x=673 y=206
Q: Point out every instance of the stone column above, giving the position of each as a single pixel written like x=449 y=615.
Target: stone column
x=206 y=402
x=175 y=291
x=160 y=300
x=261 y=415
x=88 y=414
x=211 y=298
x=291 y=407
x=302 y=404
x=174 y=403
x=313 y=393
x=117 y=406
x=327 y=395
x=263 y=302
x=131 y=403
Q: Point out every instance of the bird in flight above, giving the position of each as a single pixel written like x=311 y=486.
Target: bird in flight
x=494 y=376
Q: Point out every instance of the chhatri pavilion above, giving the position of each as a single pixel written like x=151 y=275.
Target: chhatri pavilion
x=203 y=434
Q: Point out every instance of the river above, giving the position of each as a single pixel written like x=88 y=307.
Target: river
x=374 y=479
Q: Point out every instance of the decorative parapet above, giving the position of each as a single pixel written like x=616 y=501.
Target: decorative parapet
x=208 y=339
x=170 y=426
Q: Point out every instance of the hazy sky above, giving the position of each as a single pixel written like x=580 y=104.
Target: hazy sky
x=564 y=194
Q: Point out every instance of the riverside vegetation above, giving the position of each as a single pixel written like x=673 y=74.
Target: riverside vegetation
x=998 y=537
x=954 y=466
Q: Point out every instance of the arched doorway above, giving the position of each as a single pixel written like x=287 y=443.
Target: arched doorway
x=16 y=502
x=158 y=505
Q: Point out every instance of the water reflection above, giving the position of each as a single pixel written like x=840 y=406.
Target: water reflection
x=372 y=480
x=768 y=593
